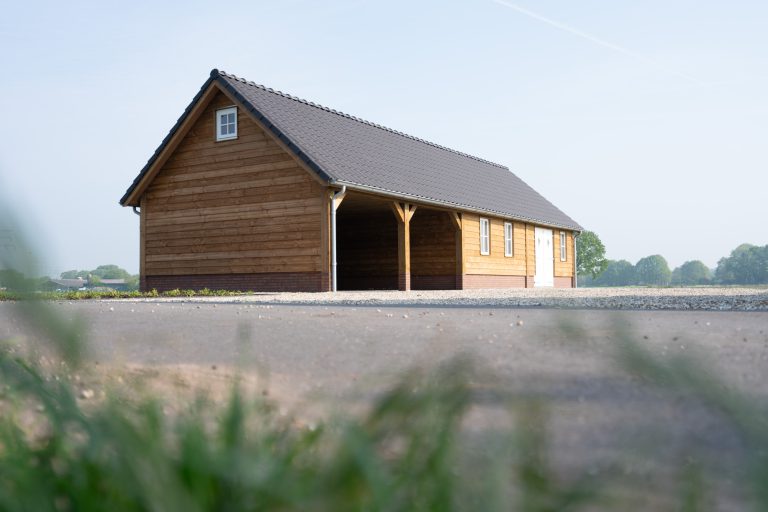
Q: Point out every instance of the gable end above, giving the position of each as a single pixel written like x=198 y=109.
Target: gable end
x=213 y=84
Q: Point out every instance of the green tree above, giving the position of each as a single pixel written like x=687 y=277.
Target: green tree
x=653 y=270
x=110 y=272
x=590 y=255
x=747 y=264
x=691 y=273
x=12 y=279
x=617 y=273
x=133 y=282
x=74 y=274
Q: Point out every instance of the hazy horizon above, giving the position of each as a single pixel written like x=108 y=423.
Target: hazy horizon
x=645 y=123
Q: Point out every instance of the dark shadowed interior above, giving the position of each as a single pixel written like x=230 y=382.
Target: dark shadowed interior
x=367 y=257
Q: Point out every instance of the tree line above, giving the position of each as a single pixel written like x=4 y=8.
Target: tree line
x=746 y=265
x=15 y=280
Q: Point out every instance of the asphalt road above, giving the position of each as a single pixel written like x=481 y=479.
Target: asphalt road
x=343 y=355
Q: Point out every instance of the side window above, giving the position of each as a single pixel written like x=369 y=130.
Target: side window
x=563 y=253
x=508 y=239
x=485 y=237
x=226 y=123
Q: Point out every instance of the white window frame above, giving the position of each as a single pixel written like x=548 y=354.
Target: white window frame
x=485 y=236
x=219 y=113
x=509 y=239
x=563 y=246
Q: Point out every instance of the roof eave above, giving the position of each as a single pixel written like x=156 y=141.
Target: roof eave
x=126 y=199
x=454 y=206
x=275 y=130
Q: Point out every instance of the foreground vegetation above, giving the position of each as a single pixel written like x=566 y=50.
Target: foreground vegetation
x=409 y=451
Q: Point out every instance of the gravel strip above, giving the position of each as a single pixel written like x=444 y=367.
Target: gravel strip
x=704 y=298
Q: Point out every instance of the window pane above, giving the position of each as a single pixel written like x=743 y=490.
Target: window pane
x=230 y=118
x=223 y=129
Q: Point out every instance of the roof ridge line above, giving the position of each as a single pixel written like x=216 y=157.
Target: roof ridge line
x=216 y=72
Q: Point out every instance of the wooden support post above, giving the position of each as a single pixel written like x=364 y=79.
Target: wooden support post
x=325 y=240
x=403 y=213
x=530 y=256
x=459 y=236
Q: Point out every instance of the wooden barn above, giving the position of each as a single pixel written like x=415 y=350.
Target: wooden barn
x=254 y=189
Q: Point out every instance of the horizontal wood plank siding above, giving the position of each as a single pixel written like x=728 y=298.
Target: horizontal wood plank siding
x=498 y=271
x=433 y=246
x=238 y=207
x=563 y=268
x=494 y=263
x=530 y=251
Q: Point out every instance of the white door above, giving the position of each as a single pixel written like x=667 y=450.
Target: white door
x=545 y=258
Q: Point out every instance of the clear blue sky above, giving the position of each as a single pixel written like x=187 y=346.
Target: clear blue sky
x=647 y=121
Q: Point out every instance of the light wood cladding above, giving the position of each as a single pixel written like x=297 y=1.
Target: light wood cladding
x=523 y=262
x=530 y=250
x=563 y=268
x=494 y=263
x=236 y=206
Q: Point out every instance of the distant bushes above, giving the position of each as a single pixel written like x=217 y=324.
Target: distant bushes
x=649 y=271
x=746 y=265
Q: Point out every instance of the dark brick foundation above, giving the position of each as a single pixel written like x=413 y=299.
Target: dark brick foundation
x=319 y=282
x=447 y=282
x=268 y=282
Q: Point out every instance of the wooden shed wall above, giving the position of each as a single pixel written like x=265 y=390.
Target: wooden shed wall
x=240 y=207
x=496 y=270
x=433 y=250
x=563 y=268
x=495 y=262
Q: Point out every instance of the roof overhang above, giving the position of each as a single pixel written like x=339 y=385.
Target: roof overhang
x=447 y=205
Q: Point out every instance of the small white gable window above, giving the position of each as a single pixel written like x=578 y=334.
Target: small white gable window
x=563 y=254
x=226 y=123
x=508 y=248
x=485 y=237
